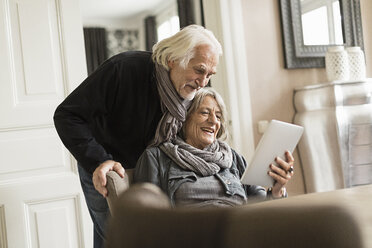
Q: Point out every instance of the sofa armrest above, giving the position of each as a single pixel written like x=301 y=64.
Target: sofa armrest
x=117 y=185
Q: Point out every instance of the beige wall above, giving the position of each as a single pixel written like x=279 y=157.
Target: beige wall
x=366 y=6
x=271 y=85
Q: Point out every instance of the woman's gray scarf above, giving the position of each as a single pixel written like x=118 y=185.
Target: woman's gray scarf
x=173 y=106
x=204 y=162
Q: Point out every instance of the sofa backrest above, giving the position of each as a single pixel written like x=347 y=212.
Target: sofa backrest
x=144 y=218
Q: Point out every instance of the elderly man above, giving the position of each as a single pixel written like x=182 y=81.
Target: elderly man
x=132 y=100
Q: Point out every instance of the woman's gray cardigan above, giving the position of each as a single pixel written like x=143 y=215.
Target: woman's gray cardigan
x=156 y=167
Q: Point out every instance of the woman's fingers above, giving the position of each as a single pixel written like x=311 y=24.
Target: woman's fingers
x=278 y=179
x=283 y=164
x=279 y=171
x=290 y=161
x=290 y=158
x=283 y=171
x=286 y=165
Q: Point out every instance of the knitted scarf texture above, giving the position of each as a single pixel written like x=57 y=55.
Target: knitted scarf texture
x=173 y=106
x=204 y=162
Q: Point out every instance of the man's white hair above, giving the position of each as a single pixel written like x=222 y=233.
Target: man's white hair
x=181 y=46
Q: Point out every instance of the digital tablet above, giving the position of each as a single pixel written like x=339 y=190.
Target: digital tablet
x=278 y=137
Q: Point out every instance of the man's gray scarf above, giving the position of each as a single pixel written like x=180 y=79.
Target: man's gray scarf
x=173 y=106
x=204 y=162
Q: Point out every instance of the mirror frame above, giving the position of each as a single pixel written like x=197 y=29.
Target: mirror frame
x=298 y=55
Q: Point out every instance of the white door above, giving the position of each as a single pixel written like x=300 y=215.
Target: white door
x=41 y=61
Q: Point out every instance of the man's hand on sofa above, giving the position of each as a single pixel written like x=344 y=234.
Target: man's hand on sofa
x=99 y=175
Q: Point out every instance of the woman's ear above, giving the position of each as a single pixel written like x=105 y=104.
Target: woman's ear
x=171 y=64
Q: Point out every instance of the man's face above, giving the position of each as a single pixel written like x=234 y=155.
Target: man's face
x=197 y=73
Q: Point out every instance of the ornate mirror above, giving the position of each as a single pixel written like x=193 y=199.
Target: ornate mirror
x=309 y=27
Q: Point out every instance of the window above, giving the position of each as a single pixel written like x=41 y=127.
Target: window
x=321 y=22
x=167 y=21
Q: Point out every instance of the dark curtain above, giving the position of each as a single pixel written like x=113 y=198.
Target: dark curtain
x=186 y=12
x=202 y=13
x=151 y=34
x=95 y=47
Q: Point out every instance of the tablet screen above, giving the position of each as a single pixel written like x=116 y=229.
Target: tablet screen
x=278 y=137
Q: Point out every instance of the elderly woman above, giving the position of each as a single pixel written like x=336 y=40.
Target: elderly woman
x=198 y=169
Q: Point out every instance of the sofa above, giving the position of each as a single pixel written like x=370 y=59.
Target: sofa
x=142 y=216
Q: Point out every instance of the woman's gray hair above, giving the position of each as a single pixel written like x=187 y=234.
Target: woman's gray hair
x=181 y=46
x=197 y=101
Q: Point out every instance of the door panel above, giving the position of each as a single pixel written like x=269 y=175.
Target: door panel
x=37 y=209
x=39 y=152
x=34 y=68
x=62 y=212
x=41 y=203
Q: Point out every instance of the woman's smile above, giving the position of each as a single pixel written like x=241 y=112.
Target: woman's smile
x=208 y=130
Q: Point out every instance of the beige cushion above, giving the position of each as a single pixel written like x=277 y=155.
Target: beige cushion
x=331 y=219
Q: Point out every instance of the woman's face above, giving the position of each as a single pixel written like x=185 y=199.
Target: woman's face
x=203 y=124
